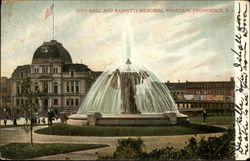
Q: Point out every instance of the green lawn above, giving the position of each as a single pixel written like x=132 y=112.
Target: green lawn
x=69 y=130
x=213 y=120
x=25 y=150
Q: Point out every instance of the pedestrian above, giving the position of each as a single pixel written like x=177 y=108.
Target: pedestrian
x=32 y=120
x=204 y=116
x=43 y=120
x=49 y=117
x=5 y=121
x=14 y=121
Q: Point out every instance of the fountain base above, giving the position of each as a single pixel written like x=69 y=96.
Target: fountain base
x=97 y=119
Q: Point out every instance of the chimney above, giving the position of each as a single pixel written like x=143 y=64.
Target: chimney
x=179 y=81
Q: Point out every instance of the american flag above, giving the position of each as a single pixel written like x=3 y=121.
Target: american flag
x=49 y=11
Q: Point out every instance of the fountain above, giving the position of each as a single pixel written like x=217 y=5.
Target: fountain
x=128 y=94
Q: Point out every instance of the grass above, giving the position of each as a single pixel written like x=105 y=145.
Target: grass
x=69 y=130
x=213 y=120
x=26 y=150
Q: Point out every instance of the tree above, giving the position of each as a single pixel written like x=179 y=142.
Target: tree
x=31 y=105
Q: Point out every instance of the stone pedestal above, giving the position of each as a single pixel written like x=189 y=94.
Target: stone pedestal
x=98 y=119
x=92 y=117
x=172 y=117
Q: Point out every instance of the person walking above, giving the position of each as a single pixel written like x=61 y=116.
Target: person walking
x=14 y=121
x=43 y=120
x=50 y=117
x=204 y=116
x=26 y=120
x=5 y=121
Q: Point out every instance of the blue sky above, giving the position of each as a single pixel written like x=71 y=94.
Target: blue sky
x=175 y=46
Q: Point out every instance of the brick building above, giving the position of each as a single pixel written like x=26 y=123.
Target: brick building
x=215 y=95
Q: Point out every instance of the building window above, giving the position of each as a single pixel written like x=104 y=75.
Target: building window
x=45 y=69
x=67 y=87
x=46 y=88
x=18 y=90
x=55 y=70
x=67 y=102
x=55 y=101
x=72 y=87
x=17 y=111
x=17 y=102
x=21 y=101
x=77 y=87
x=72 y=73
x=72 y=102
x=36 y=70
x=55 y=89
x=21 y=74
x=77 y=102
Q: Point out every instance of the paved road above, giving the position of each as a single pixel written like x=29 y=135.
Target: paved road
x=15 y=134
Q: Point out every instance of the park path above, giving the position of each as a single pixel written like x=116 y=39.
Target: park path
x=16 y=134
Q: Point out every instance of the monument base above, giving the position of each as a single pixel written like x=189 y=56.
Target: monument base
x=97 y=119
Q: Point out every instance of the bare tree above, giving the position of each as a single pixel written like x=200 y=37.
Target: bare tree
x=31 y=105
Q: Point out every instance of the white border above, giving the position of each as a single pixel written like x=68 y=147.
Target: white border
x=242 y=98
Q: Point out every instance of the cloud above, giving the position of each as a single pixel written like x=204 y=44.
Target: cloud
x=166 y=44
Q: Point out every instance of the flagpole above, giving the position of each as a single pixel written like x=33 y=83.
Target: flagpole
x=53 y=21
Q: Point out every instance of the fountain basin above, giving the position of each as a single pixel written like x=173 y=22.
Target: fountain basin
x=98 y=119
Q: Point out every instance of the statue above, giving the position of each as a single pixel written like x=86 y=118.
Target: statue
x=127 y=81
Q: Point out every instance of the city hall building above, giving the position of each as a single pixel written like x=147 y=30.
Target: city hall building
x=52 y=70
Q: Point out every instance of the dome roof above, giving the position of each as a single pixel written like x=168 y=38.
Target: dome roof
x=51 y=51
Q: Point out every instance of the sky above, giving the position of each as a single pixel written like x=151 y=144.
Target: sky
x=175 y=46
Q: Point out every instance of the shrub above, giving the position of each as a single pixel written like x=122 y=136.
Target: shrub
x=221 y=147
x=128 y=149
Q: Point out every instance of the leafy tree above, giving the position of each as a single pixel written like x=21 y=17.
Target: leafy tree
x=32 y=99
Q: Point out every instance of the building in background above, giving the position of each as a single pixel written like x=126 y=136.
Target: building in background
x=52 y=70
x=211 y=95
x=5 y=100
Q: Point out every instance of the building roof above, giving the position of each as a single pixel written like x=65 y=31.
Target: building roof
x=176 y=86
x=75 y=67
x=53 y=50
x=26 y=69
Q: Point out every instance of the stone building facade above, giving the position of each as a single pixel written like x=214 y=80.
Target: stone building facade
x=210 y=95
x=5 y=102
x=52 y=71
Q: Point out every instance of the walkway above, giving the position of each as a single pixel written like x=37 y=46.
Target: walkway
x=16 y=134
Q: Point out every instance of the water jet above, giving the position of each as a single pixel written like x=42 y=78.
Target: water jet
x=128 y=94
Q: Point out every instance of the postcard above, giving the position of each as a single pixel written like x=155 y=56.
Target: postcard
x=122 y=80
